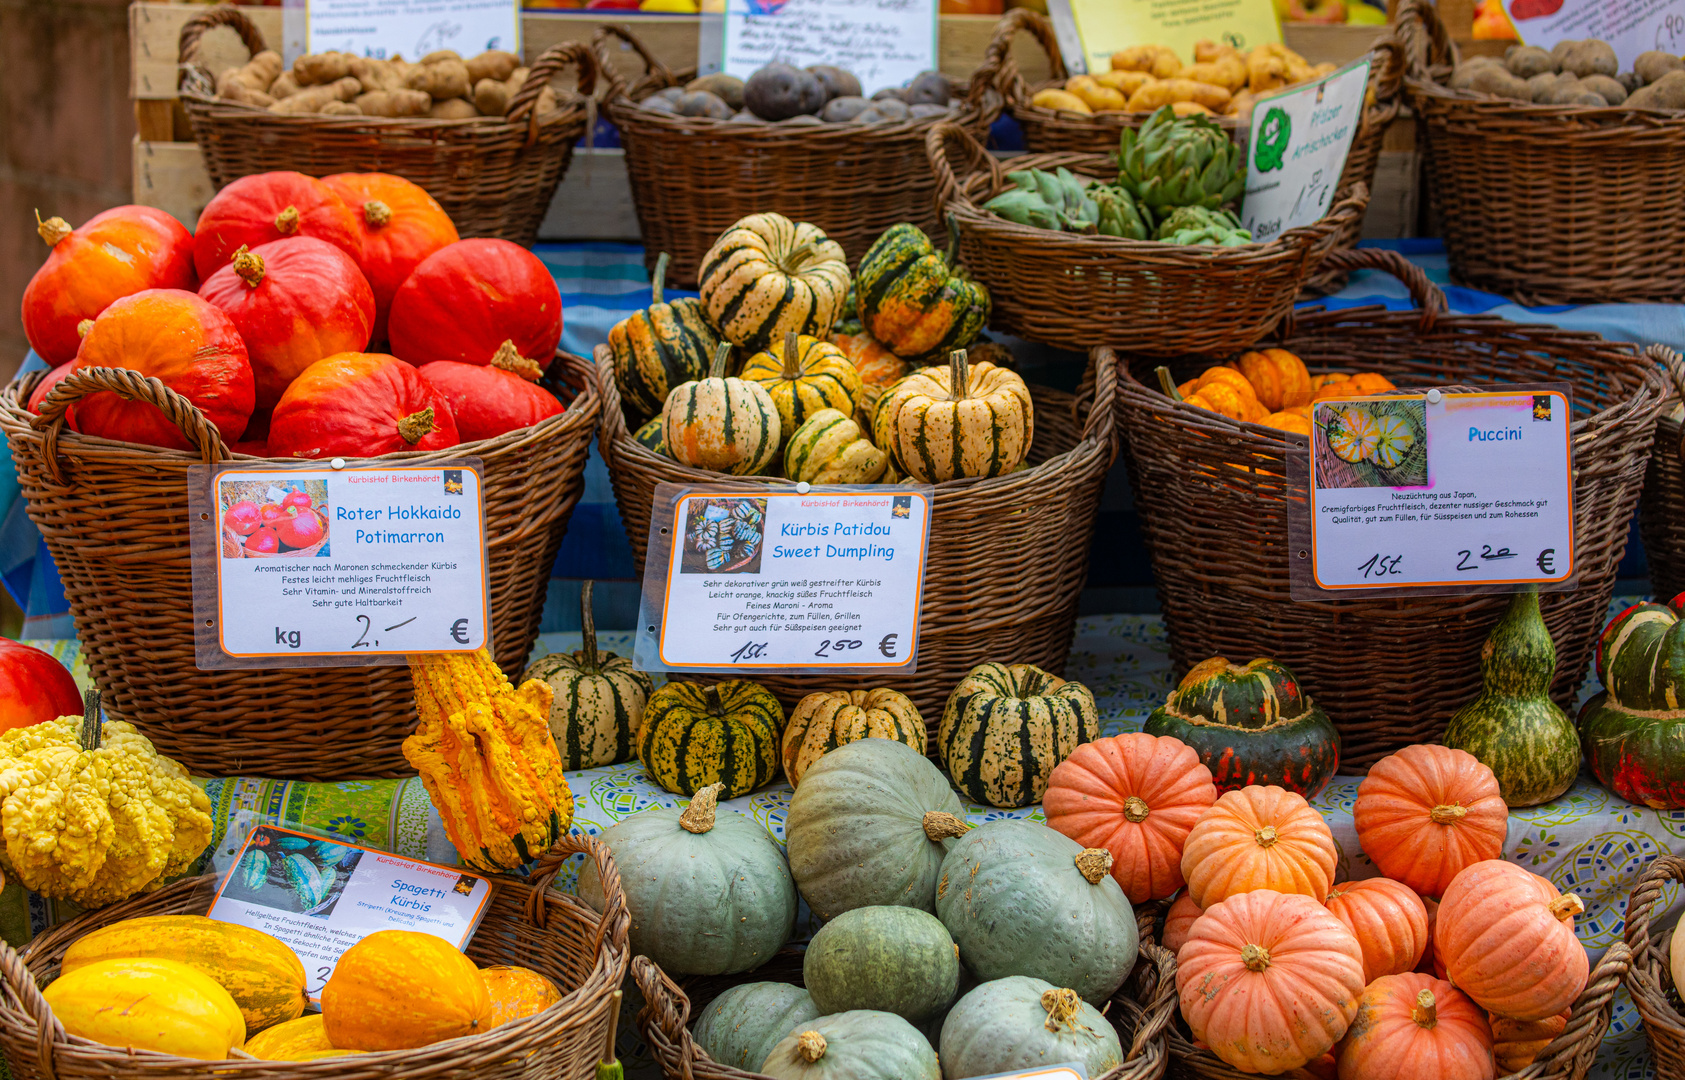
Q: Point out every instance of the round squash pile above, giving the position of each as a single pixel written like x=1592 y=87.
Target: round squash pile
x=1271 y=387
x=262 y=319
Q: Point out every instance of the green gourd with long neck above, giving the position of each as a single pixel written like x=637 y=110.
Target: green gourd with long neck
x=1514 y=727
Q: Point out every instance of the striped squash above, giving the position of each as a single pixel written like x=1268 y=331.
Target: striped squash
x=915 y=300
x=653 y=436
x=965 y=420
x=877 y=365
x=1005 y=728
x=767 y=275
x=695 y=735
x=725 y=424
x=803 y=375
x=826 y=720
x=658 y=348
x=829 y=449
x=599 y=699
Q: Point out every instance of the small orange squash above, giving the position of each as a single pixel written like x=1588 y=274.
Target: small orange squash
x=1415 y=1027
x=1516 y=1043
x=1258 y=838
x=1372 y=382
x=876 y=364
x=1337 y=391
x=1179 y=920
x=1288 y=421
x=1426 y=812
x=398 y=989
x=517 y=992
x=1389 y=921
x=1507 y=938
x=1277 y=376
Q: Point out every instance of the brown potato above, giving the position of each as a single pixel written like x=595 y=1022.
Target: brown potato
x=340 y=108
x=376 y=74
x=1190 y=108
x=255 y=74
x=438 y=55
x=285 y=85
x=1241 y=105
x=312 y=98
x=242 y=94
x=1215 y=98
x=1610 y=90
x=1590 y=58
x=1667 y=93
x=1155 y=95
x=1494 y=79
x=492 y=64
x=1124 y=82
x=1207 y=51
x=440 y=79
x=394 y=103
x=1060 y=99
x=1156 y=60
x=1265 y=72
x=1651 y=66
x=453 y=109
x=318 y=69
x=1526 y=61
x=491 y=98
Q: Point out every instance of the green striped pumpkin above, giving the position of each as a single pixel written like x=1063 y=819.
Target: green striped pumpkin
x=660 y=347
x=696 y=735
x=767 y=276
x=1005 y=728
x=653 y=436
x=912 y=298
x=963 y=420
x=598 y=701
x=725 y=424
x=803 y=375
x=828 y=719
x=829 y=449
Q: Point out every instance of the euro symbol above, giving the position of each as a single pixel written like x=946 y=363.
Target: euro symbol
x=887 y=645
x=459 y=631
x=1544 y=560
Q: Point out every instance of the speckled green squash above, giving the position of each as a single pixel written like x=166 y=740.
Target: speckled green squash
x=654 y=436
x=598 y=698
x=1020 y=1023
x=694 y=735
x=1633 y=731
x=859 y=1045
x=893 y=959
x=767 y=276
x=660 y=347
x=1021 y=899
x=741 y=1026
x=1005 y=728
x=916 y=301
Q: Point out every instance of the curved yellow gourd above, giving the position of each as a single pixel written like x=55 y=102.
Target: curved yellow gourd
x=148 y=1004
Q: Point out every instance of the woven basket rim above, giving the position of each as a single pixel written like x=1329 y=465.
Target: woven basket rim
x=1650 y=965
x=570 y=111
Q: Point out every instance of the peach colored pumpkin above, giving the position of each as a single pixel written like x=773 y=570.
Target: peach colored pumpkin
x=1258 y=838
x=1516 y=1043
x=1389 y=921
x=1415 y=1027
x=1426 y=812
x=1179 y=920
x=1507 y=938
x=1137 y=796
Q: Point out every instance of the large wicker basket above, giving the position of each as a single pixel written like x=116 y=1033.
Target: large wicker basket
x=494 y=176
x=115 y=518
x=1008 y=555
x=1078 y=292
x=1538 y=201
x=1661 y=511
x=1215 y=495
x=1650 y=979
x=693 y=178
x=527 y=924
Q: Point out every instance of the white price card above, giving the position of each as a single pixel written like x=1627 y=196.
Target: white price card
x=1299 y=142
x=1629 y=26
x=308 y=565
x=882 y=42
x=1441 y=490
x=321 y=896
x=412 y=28
x=757 y=579
x=1073 y=1071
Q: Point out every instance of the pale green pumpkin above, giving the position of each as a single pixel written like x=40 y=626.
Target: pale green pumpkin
x=858 y=1045
x=741 y=1026
x=892 y=959
x=1021 y=1023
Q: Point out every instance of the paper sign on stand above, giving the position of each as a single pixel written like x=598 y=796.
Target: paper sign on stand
x=413 y=28
x=1629 y=28
x=882 y=42
x=1299 y=143
x=1090 y=31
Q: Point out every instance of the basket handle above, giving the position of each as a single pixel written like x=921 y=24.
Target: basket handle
x=666 y=1009
x=1101 y=420
x=937 y=142
x=1387 y=73
x=1663 y=869
x=1421 y=33
x=1427 y=296
x=194 y=76
x=612 y=423
x=19 y=988
x=1161 y=1008
x=550 y=863
x=998 y=65
x=129 y=385
x=550 y=64
x=617 y=86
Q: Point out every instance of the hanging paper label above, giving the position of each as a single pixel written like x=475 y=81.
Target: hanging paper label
x=882 y=42
x=412 y=28
x=1629 y=28
x=1103 y=27
x=1074 y=1071
x=1299 y=142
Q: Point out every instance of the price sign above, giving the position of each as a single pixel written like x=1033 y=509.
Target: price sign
x=1629 y=28
x=882 y=42
x=1299 y=142
x=311 y=565
x=1090 y=31
x=747 y=579
x=1441 y=490
x=412 y=28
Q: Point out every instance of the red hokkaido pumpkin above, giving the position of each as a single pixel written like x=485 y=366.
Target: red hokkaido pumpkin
x=264 y=542
x=189 y=344
x=33 y=687
x=294 y=302
x=1389 y=921
x=360 y=405
x=265 y=207
x=1415 y=1027
x=242 y=518
x=488 y=401
x=270 y=514
x=1507 y=939
x=473 y=300
x=400 y=225
x=39 y=394
x=297 y=498
x=116 y=254
x=300 y=527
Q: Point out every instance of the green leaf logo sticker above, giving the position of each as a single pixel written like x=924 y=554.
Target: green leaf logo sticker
x=1273 y=137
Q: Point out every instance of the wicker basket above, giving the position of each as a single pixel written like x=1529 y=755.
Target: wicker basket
x=527 y=924
x=1008 y=555
x=115 y=518
x=1542 y=202
x=1650 y=979
x=1214 y=500
x=1078 y=292
x=1661 y=510
x=493 y=176
x=693 y=178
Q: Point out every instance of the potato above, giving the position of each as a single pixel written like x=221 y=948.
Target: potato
x=340 y=108
x=1610 y=90
x=1229 y=72
x=439 y=55
x=1540 y=86
x=1156 y=60
x=701 y=103
x=452 y=109
x=928 y=88
x=440 y=79
x=1096 y=96
x=897 y=92
x=377 y=74
x=672 y=93
x=923 y=110
x=1124 y=82
x=1241 y=105
x=318 y=69
x=1630 y=80
x=492 y=64
x=887 y=109
x=1652 y=65
x=1590 y=58
x=837 y=82
x=285 y=85
x=1207 y=51
x=1153 y=96
x=1667 y=93
x=1061 y=99
x=491 y=98
x=1265 y=72
x=394 y=103
x=1560 y=50
x=806 y=118
x=843 y=109
x=652 y=103
x=241 y=94
x=779 y=91
x=255 y=74
x=746 y=117
x=728 y=88
x=1493 y=79
x=1190 y=108
x=1526 y=61
x=312 y=98
x=1464 y=74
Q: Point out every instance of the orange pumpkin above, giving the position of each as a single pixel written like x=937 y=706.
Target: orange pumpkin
x=1516 y=1043
x=1179 y=920
x=1222 y=398
x=399 y=989
x=1414 y=1027
x=1337 y=391
x=517 y=992
x=1137 y=796
x=1431 y=964
x=1277 y=376
x=1507 y=938
x=1389 y=921
x=876 y=364
x=1268 y=980
x=1372 y=382
x=400 y=225
x=1319 y=381
x=1258 y=838
x=1288 y=421
x=1426 y=812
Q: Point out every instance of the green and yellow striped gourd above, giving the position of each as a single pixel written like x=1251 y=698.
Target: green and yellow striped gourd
x=1005 y=728
x=767 y=276
x=914 y=299
x=828 y=719
x=829 y=449
x=696 y=735
x=660 y=347
x=725 y=424
x=963 y=420
x=598 y=702
x=653 y=436
x=803 y=375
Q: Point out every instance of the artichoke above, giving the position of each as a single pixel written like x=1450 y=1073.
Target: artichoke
x=1119 y=216
x=1180 y=161
x=1047 y=200
x=1198 y=225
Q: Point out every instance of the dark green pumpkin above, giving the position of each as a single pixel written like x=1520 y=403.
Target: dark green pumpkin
x=654 y=436
x=916 y=301
x=660 y=347
x=1633 y=731
x=694 y=735
x=1250 y=725
x=893 y=959
x=741 y=1026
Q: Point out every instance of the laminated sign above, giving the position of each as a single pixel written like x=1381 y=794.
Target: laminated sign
x=1300 y=140
x=381 y=29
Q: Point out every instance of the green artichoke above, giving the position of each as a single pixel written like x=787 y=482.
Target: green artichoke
x=1180 y=161
x=1198 y=225
x=1119 y=216
x=1047 y=201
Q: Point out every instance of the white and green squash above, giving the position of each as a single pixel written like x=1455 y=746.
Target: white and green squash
x=721 y=423
x=892 y=959
x=803 y=375
x=741 y=1026
x=829 y=449
x=767 y=276
x=827 y=719
x=653 y=437
x=1005 y=728
x=658 y=348
x=598 y=700
x=725 y=733
x=860 y=1045
x=1020 y=1023
x=965 y=419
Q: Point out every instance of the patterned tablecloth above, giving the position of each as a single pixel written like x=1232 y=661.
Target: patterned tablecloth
x=1588 y=842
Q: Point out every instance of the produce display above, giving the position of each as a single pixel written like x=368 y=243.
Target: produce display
x=779 y=93
x=1222 y=80
x=440 y=86
x=1274 y=388
x=1583 y=73
x=1006 y=727
x=862 y=1044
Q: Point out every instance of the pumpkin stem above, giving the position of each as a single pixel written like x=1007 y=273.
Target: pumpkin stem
x=792 y=357
x=509 y=358
x=1567 y=906
x=377 y=213
x=716 y=370
x=793 y=261
x=810 y=1046
x=1447 y=814
x=83 y=327
x=53 y=229
x=1135 y=809
x=1061 y=1004
x=248 y=266
x=1425 y=1013
x=415 y=426
x=939 y=826
x=1255 y=957
x=659 y=280
x=1266 y=836
x=953 y=240
x=588 y=627
x=1168 y=385
x=699 y=815
x=960 y=375
x=92 y=732
x=287 y=220
x=1094 y=864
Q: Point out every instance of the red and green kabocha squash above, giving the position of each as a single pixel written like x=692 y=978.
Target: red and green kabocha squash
x=360 y=405
x=118 y=253
x=599 y=698
x=739 y=1028
x=1389 y=921
x=189 y=345
x=658 y=348
x=653 y=437
x=1416 y=1027
x=722 y=422
x=399 y=225
x=706 y=887
x=829 y=449
x=1020 y=1023
x=1258 y=838
x=859 y=1045
x=1425 y=813
x=803 y=375
x=1513 y=727
x=1004 y=730
x=294 y=302
x=943 y=423
x=1632 y=729
x=768 y=276
x=871 y=823
x=475 y=300
x=694 y=735
x=1019 y=899
x=266 y=207
x=890 y=958
x=34 y=687
x=823 y=721
x=1137 y=796
x=1251 y=725
x=1507 y=939
x=915 y=300
x=492 y=399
